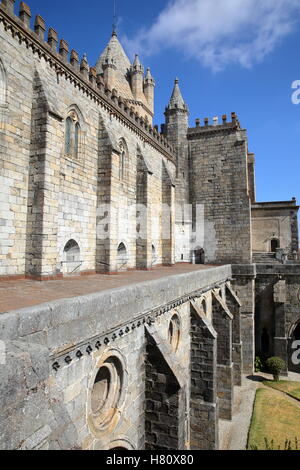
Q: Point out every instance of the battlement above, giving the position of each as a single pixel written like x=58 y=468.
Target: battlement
x=215 y=126
x=79 y=72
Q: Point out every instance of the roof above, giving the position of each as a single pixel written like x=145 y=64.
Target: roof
x=122 y=64
x=177 y=100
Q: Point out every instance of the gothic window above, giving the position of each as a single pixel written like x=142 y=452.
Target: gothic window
x=2 y=84
x=72 y=135
x=122 y=165
x=76 y=139
x=68 y=136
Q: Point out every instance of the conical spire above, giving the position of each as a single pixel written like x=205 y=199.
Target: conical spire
x=177 y=100
x=137 y=66
x=136 y=62
x=148 y=75
x=117 y=53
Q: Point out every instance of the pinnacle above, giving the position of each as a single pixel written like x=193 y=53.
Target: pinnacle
x=177 y=100
x=136 y=62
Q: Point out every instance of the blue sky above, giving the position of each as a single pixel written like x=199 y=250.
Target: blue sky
x=230 y=55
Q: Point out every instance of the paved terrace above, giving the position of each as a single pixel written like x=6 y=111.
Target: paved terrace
x=27 y=293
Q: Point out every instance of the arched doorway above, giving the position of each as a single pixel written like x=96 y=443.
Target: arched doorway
x=71 y=263
x=122 y=260
x=274 y=245
x=199 y=256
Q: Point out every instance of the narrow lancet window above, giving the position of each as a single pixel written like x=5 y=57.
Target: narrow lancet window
x=68 y=136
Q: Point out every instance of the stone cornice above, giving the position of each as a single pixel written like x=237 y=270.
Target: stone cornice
x=107 y=99
x=75 y=353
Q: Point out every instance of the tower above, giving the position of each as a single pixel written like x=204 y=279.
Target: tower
x=176 y=129
x=109 y=69
x=137 y=79
x=149 y=85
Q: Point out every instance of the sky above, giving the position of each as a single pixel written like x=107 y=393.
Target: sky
x=229 y=55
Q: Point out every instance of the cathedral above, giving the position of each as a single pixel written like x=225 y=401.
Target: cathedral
x=90 y=187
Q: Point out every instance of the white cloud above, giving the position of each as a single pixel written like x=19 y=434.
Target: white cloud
x=219 y=32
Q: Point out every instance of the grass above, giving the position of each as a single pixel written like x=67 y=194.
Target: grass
x=290 y=388
x=274 y=418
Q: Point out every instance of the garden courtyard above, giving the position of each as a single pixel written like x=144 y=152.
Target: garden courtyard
x=267 y=415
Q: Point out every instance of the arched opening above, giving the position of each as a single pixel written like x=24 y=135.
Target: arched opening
x=265 y=342
x=122 y=258
x=204 y=306
x=68 y=136
x=76 y=139
x=274 y=245
x=174 y=332
x=2 y=84
x=72 y=261
x=199 y=256
x=154 y=256
x=122 y=162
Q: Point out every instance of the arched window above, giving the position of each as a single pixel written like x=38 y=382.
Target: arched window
x=76 y=139
x=72 y=135
x=68 y=136
x=2 y=84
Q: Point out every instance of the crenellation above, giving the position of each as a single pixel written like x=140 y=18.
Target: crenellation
x=64 y=50
x=25 y=14
x=74 y=59
x=40 y=27
x=84 y=67
x=9 y=5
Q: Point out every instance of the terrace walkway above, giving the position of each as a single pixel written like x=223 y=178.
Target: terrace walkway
x=26 y=293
